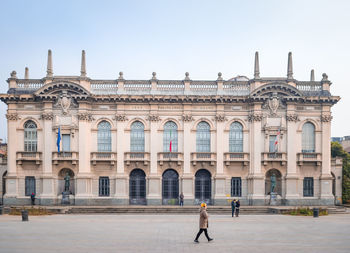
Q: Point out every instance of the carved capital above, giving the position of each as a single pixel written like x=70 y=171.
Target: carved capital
x=255 y=117
x=220 y=118
x=292 y=117
x=47 y=116
x=326 y=118
x=120 y=117
x=154 y=118
x=187 y=118
x=12 y=116
x=85 y=116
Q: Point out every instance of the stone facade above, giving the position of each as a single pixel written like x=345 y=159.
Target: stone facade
x=269 y=111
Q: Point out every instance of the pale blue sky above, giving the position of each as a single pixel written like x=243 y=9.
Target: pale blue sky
x=172 y=37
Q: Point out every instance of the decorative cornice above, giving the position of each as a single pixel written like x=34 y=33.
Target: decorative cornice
x=292 y=117
x=255 y=117
x=187 y=118
x=120 y=117
x=12 y=116
x=47 y=116
x=154 y=118
x=220 y=118
x=85 y=116
x=326 y=118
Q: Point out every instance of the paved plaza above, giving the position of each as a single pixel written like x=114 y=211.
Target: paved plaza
x=174 y=233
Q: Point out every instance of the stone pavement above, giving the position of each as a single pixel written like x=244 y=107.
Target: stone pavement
x=174 y=233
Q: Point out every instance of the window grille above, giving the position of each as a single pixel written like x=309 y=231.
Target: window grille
x=308 y=138
x=103 y=186
x=203 y=185
x=236 y=137
x=137 y=187
x=137 y=137
x=29 y=186
x=203 y=137
x=104 y=140
x=170 y=134
x=30 y=136
x=236 y=187
x=170 y=186
x=308 y=187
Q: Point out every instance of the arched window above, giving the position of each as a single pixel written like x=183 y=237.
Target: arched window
x=203 y=186
x=30 y=136
x=170 y=137
x=308 y=138
x=137 y=137
x=104 y=140
x=203 y=137
x=236 y=137
x=170 y=187
x=137 y=187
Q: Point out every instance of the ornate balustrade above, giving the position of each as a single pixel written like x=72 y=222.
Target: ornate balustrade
x=103 y=157
x=70 y=156
x=170 y=157
x=309 y=157
x=203 y=157
x=29 y=84
x=236 y=157
x=274 y=157
x=104 y=87
x=136 y=157
x=29 y=156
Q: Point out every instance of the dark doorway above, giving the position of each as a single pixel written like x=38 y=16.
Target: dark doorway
x=203 y=186
x=170 y=187
x=137 y=187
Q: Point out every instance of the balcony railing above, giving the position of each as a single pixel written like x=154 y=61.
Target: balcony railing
x=70 y=156
x=170 y=157
x=136 y=157
x=29 y=156
x=236 y=157
x=274 y=157
x=103 y=157
x=309 y=157
x=203 y=157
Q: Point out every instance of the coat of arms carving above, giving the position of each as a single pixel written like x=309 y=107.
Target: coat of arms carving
x=274 y=103
x=65 y=101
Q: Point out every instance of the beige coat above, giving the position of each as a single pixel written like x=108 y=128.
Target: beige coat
x=203 y=218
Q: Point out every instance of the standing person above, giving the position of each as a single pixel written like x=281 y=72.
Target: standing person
x=32 y=197
x=238 y=204
x=203 y=223
x=233 y=207
x=181 y=199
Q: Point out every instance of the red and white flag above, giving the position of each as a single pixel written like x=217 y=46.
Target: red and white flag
x=277 y=140
x=170 y=142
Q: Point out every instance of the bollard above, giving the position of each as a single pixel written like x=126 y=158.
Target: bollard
x=316 y=212
x=24 y=215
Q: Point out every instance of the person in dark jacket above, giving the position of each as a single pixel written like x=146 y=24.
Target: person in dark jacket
x=233 y=207
x=203 y=223
x=32 y=197
x=238 y=204
x=181 y=199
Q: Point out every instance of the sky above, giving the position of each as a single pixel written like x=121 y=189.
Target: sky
x=173 y=37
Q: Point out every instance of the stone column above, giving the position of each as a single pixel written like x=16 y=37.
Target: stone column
x=83 y=179
x=292 y=194
x=256 y=193
x=47 y=194
x=326 y=196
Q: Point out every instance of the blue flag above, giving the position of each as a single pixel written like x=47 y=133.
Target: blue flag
x=58 y=139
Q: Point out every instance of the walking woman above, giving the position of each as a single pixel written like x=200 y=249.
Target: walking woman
x=203 y=223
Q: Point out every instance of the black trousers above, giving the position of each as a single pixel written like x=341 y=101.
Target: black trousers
x=201 y=231
x=237 y=212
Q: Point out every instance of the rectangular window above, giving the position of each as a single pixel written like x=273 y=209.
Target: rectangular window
x=103 y=186
x=236 y=187
x=30 y=186
x=308 y=187
x=272 y=140
x=65 y=142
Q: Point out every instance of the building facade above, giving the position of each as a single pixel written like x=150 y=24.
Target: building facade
x=145 y=141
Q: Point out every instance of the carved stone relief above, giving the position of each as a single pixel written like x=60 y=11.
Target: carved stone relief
x=65 y=102
x=12 y=116
x=220 y=118
x=120 y=117
x=47 y=116
x=255 y=117
x=85 y=116
x=326 y=118
x=154 y=118
x=292 y=117
x=187 y=118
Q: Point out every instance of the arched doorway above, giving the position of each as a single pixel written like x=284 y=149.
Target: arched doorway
x=3 y=187
x=333 y=188
x=203 y=186
x=170 y=187
x=273 y=179
x=62 y=177
x=137 y=187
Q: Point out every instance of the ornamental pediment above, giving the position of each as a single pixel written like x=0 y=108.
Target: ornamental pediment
x=56 y=88
x=279 y=88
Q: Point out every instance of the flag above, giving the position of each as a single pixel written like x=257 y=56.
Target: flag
x=170 y=142
x=58 y=139
x=277 y=139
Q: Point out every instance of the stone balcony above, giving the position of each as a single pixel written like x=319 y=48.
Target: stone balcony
x=267 y=157
x=110 y=157
x=137 y=157
x=170 y=157
x=236 y=157
x=70 y=156
x=309 y=158
x=203 y=157
x=29 y=157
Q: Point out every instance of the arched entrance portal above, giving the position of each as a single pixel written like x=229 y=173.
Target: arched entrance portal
x=203 y=186
x=273 y=179
x=3 y=187
x=170 y=187
x=62 y=178
x=137 y=187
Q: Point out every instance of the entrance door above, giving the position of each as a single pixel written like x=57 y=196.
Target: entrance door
x=137 y=187
x=170 y=187
x=203 y=186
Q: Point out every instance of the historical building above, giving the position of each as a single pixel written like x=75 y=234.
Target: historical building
x=145 y=141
